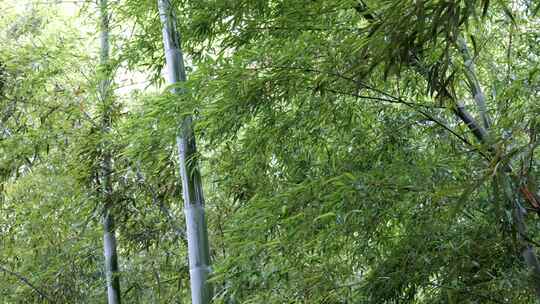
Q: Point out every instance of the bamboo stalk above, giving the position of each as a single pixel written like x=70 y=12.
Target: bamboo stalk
x=109 y=238
x=472 y=79
x=196 y=230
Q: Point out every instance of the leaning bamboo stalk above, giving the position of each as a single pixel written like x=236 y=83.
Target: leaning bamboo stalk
x=474 y=84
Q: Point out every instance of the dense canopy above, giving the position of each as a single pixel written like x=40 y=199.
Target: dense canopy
x=349 y=151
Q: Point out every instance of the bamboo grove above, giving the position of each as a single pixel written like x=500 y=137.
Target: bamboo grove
x=270 y=151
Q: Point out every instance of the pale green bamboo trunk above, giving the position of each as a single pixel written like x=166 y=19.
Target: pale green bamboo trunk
x=197 y=235
x=109 y=238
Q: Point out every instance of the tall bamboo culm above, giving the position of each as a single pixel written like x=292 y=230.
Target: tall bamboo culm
x=196 y=230
x=109 y=237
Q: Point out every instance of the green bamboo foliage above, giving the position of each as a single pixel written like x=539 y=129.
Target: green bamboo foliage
x=361 y=151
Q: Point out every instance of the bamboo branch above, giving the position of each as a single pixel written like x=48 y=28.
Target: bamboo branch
x=27 y=283
x=412 y=106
